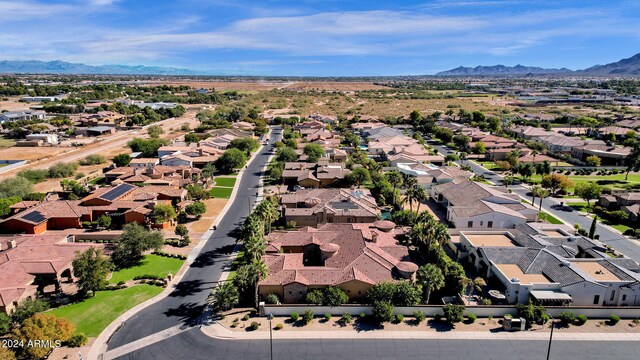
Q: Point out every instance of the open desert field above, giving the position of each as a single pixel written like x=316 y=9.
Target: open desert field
x=334 y=86
x=270 y=85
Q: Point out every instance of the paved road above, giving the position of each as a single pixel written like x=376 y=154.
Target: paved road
x=193 y=344
x=630 y=248
x=185 y=305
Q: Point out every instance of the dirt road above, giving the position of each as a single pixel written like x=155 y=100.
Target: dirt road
x=170 y=126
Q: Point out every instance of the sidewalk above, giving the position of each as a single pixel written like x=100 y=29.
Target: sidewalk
x=218 y=331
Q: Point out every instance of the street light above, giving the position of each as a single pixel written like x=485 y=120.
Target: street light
x=550 y=336
x=270 y=317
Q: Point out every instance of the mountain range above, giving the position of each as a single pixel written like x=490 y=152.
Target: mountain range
x=629 y=67
x=624 y=67
x=63 y=67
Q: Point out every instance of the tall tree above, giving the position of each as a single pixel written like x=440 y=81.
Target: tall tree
x=633 y=160
x=431 y=278
x=91 y=268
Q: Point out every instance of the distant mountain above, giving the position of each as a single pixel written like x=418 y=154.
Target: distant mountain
x=501 y=70
x=629 y=66
x=63 y=67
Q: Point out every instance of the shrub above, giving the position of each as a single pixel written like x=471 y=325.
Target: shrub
x=419 y=316
x=327 y=316
x=77 y=340
x=614 y=319
x=453 y=313
x=120 y=282
x=485 y=302
x=437 y=317
x=363 y=316
x=382 y=311
x=581 y=320
x=272 y=299
x=346 y=318
x=278 y=327
x=471 y=318
x=94 y=159
x=295 y=316
x=398 y=318
x=254 y=325
x=245 y=317
x=308 y=316
x=567 y=317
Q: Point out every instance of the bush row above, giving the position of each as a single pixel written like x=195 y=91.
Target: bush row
x=165 y=254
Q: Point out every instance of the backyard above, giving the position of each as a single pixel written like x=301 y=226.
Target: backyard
x=150 y=265
x=94 y=314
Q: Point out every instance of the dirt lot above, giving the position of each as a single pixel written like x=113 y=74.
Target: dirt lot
x=109 y=146
x=334 y=86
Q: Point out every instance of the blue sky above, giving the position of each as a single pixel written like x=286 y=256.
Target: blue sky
x=321 y=37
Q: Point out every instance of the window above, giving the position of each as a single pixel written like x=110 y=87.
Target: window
x=490 y=224
x=290 y=292
x=624 y=297
x=613 y=294
x=470 y=224
x=596 y=300
x=481 y=223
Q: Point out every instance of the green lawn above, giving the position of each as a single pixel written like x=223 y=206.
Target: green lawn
x=92 y=315
x=237 y=262
x=613 y=182
x=582 y=206
x=579 y=206
x=225 y=181
x=7 y=143
x=550 y=218
x=221 y=192
x=151 y=265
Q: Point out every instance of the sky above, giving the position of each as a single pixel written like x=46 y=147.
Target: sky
x=321 y=37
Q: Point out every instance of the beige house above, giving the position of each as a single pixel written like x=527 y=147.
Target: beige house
x=320 y=206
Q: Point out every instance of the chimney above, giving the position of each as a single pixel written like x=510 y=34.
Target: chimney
x=11 y=244
x=374 y=237
x=301 y=166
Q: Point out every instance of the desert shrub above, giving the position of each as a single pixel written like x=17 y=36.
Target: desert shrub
x=255 y=325
x=581 y=320
x=245 y=317
x=295 y=316
x=567 y=317
x=327 y=316
x=272 y=299
x=437 y=317
x=346 y=318
x=382 y=311
x=308 y=316
x=453 y=313
x=614 y=319
x=398 y=318
x=77 y=340
x=278 y=327
x=471 y=318
x=419 y=316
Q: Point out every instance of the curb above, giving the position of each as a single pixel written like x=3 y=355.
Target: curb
x=99 y=346
x=218 y=331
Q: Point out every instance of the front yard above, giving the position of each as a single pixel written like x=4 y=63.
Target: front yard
x=221 y=192
x=151 y=265
x=93 y=315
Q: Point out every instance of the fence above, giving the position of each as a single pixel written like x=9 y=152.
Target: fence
x=430 y=310
x=10 y=164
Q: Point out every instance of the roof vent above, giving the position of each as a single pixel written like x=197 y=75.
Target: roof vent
x=515 y=280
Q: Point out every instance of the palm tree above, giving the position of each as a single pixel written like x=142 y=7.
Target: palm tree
x=420 y=195
x=224 y=296
x=420 y=237
x=431 y=278
x=535 y=190
x=260 y=270
x=542 y=194
x=254 y=248
x=395 y=179
x=410 y=197
x=465 y=282
x=208 y=171
x=441 y=235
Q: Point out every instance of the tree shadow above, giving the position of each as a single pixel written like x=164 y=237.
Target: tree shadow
x=189 y=313
x=186 y=288
x=207 y=258
x=439 y=326
x=226 y=249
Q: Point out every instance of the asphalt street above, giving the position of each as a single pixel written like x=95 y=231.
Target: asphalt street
x=186 y=304
x=630 y=248
x=195 y=345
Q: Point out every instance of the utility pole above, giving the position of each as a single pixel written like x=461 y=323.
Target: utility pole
x=550 y=336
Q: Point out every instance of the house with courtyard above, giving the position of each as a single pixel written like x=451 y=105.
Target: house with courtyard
x=314 y=175
x=353 y=257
